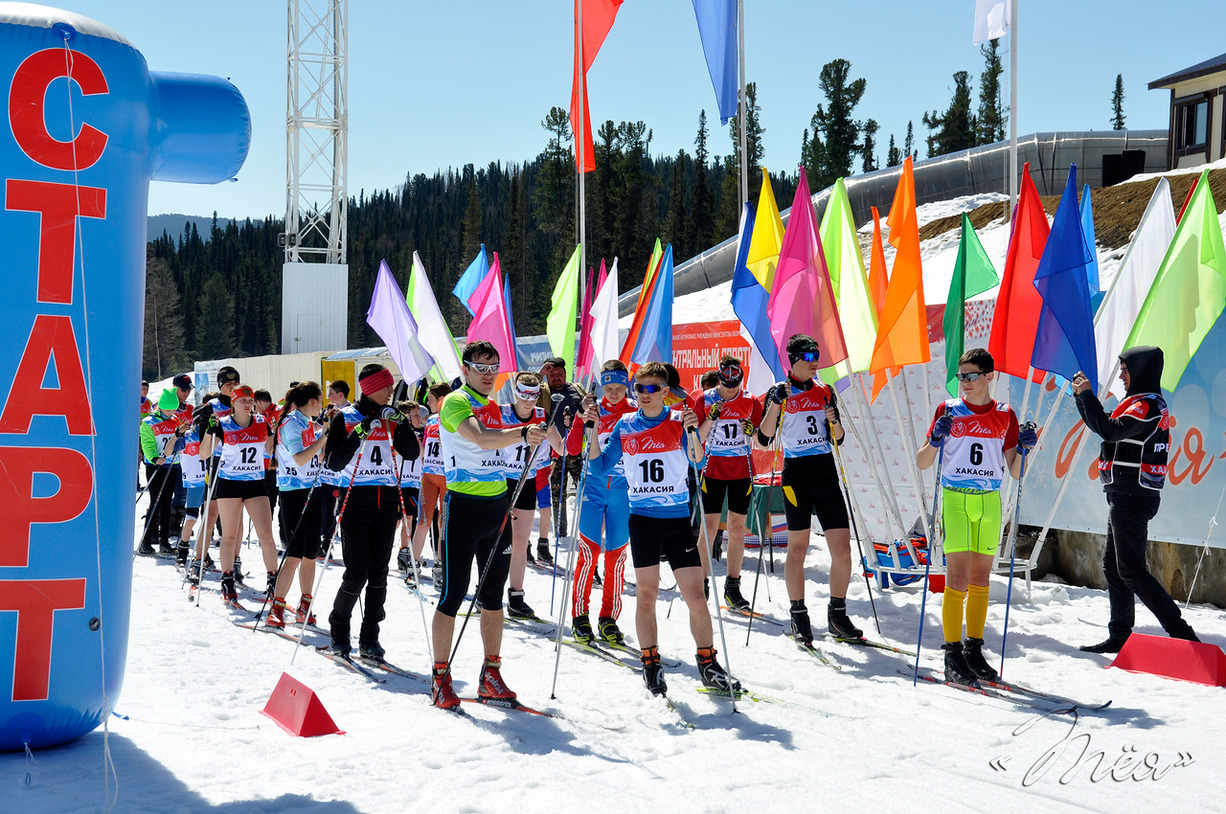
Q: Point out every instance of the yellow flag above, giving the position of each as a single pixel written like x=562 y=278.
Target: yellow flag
x=767 y=237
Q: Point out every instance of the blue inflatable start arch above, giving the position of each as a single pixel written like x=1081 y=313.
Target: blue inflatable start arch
x=86 y=127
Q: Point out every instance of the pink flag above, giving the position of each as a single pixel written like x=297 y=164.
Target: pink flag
x=490 y=320
x=802 y=300
x=585 y=336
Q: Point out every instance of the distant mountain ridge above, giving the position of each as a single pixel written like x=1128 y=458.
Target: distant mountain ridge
x=173 y=224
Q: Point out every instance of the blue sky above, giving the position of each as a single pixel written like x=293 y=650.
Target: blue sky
x=434 y=84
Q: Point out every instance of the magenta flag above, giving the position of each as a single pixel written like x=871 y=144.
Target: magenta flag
x=802 y=299
x=586 y=348
x=491 y=322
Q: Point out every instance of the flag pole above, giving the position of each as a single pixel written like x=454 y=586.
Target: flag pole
x=909 y=450
x=580 y=143
x=740 y=28
x=1012 y=108
x=863 y=402
x=888 y=499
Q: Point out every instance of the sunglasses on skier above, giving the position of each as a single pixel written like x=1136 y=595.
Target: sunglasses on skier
x=648 y=388
x=480 y=368
x=969 y=377
x=805 y=356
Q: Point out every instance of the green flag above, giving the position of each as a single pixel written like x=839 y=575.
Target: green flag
x=973 y=275
x=1189 y=293
x=560 y=325
x=846 y=266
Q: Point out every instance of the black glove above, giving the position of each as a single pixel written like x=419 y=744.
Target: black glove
x=369 y=423
x=1027 y=438
x=716 y=409
x=778 y=394
x=940 y=430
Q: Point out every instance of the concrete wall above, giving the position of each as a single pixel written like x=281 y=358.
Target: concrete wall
x=1077 y=558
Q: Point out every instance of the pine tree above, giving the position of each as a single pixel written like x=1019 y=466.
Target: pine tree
x=164 y=349
x=833 y=125
x=1117 y=103
x=893 y=156
x=702 y=224
x=908 y=144
x=954 y=129
x=992 y=118
x=675 y=227
x=868 y=149
x=472 y=234
x=215 y=339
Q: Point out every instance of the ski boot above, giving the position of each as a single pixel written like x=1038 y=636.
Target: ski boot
x=732 y=595
x=145 y=550
x=957 y=671
x=1112 y=644
x=973 y=650
x=802 y=630
x=238 y=571
x=653 y=673
x=609 y=631
x=542 y=551
x=276 y=616
x=839 y=623
x=441 y=692
x=271 y=589
x=404 y=561
x=491 y=685
x=517 y=608
x=229 y=593
x=165 y=549
x=713 y=675
x=371 y=652
x=581 y=630
x=181 y=554
x=303 y=613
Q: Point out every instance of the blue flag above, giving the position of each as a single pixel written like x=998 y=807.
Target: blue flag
x=470 y=279
x=1087 y=229
x=656 y=336
x=717 y=30
x=749 y=300
x=1064 y=343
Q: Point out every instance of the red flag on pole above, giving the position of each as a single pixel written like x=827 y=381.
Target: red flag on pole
x=598 y=17
x=1016 y=319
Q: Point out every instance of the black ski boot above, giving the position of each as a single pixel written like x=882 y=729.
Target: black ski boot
x=609 y=631
x=371 y=652
x=957 y=671
x=271 y=590
x=713 y=675
x=181 y=554
x=653 y=673
x=581 y=630
x=229 y=592
x=404 y=561
x=839 y=623
x=802 y=631
x=238 y=571
x=542 y=551
x=165 y=549
x=732 y=595
x=973 y=650
x=145 y=550
x=516 y=606
x=1112 y=644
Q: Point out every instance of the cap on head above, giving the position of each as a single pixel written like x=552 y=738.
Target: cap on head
x=169 y=400
x=226 y=375
x=182 y=381
x=555 y=361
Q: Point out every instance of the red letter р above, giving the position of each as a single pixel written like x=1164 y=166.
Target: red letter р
x=59 y=205
x=21 y=510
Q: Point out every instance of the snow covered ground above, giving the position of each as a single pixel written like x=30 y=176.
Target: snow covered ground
x=863 y=737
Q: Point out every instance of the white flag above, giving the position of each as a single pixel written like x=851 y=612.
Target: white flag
x=992 y=20
x=389 y=316
x=432 y=329
x=605 y=344
x=1123 y=301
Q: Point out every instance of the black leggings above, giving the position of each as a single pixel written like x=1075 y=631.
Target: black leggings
x=161 y=492
x=300 y=522
x=367 y=532
x=1128 y=519
x=472 y=531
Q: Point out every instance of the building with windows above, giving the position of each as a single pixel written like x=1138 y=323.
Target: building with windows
x=1198 y=113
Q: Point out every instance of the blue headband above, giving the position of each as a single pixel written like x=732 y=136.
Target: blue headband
x=615 y=377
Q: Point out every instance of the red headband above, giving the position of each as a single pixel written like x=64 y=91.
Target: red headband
x=377 y=380
x=242 y=391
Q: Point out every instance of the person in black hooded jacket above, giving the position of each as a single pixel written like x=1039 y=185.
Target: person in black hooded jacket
x=1132 y=466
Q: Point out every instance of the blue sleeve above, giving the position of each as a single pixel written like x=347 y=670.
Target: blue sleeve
x=610 y=455
x=291 y=436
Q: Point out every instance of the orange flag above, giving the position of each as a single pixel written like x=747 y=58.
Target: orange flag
x=878 y=279
x=598 y=17
x=902 y=332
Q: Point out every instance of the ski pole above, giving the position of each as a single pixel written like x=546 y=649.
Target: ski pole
x=489 y=561
x=928 y=565
x=851 y=513
x=568 y=576
x=208 y=499
x=319 y=578
x=1017 y=506
x=421 y=600
x=769 y=535
x=153 y=507
x=719 y=613
x=285 y=554
x=557 y=520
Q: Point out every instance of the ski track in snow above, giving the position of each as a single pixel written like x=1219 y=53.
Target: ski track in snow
x=195 y=740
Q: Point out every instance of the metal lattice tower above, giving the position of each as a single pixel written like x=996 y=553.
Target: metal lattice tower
x=316 y=126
